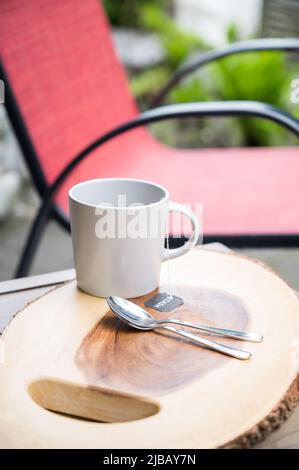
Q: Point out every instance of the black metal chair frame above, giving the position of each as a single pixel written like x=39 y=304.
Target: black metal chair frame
x=47 y=192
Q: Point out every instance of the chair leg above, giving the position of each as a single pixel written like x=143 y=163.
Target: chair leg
x=31 y=244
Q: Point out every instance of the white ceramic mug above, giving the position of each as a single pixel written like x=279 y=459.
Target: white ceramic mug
x=118 y=232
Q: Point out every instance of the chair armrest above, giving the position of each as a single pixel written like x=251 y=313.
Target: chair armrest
x=186 y=110
x=254 y=45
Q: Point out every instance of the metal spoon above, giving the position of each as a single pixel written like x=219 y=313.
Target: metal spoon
x=139 y=318
x=143 y=320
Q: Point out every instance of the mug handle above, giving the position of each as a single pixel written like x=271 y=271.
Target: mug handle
x=175 y=252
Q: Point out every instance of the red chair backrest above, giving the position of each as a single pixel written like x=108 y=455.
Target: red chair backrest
x=68 y=83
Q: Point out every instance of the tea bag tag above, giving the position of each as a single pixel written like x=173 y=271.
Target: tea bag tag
x=163 y=302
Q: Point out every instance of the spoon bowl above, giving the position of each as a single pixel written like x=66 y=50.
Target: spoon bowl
x=131 y=313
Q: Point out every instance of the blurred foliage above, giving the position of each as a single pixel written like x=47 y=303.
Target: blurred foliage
x=146 y=83
x=127 y=13
x=178 y=44
x=264 y=76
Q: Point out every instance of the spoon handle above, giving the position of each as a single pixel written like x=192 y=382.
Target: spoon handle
x=229 y=351
x=253 y=337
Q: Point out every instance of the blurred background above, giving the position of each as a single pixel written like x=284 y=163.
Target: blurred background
x=154 y=38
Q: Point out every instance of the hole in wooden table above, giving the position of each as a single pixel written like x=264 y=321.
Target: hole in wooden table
x=90 y=403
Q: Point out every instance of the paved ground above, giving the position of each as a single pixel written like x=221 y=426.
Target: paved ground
x=55 y=251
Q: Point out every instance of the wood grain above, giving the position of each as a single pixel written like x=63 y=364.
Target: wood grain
x=154 y=362
x=228 y=403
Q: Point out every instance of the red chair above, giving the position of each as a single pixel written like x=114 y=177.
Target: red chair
x=65 y=88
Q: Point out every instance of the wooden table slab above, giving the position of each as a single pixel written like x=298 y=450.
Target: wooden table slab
x=14 y=295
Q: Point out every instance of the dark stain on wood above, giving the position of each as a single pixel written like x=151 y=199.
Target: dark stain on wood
x=116 y=356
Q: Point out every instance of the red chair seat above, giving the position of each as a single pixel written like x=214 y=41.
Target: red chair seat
x=243 y=191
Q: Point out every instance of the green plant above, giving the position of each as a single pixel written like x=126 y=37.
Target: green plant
x=264 y=77
x=178 y=46
x=127 y=13
x=144 y=85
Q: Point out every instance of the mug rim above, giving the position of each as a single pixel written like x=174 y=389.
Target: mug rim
x=136 y=180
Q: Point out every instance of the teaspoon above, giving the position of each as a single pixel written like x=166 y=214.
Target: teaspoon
x=143 y=320
x=139 y=318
